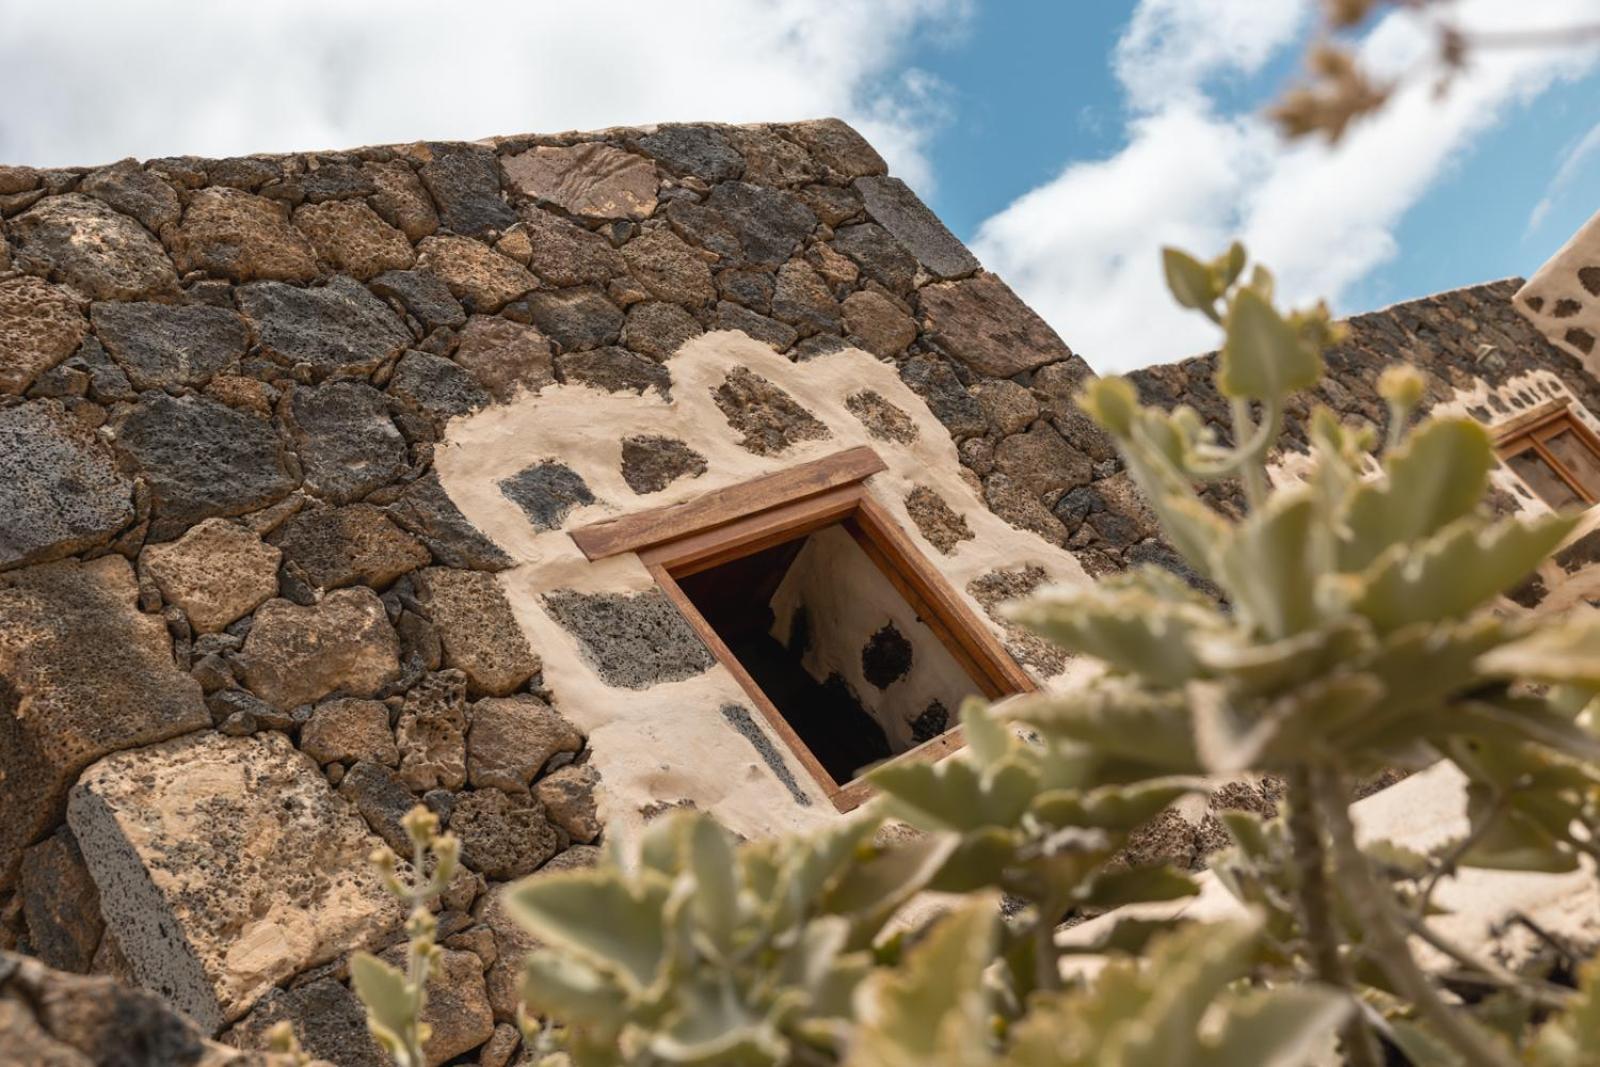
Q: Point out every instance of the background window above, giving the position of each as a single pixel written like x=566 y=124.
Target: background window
x=1558 y=457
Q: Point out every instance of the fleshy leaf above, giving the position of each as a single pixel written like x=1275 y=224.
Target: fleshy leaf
x=1263 y=357
x=1190 y=281
x=1268 y=570
x=933 y=1009
x=1457 y=570
x=1277 y=1028
x=595 y=914
x=1435 y=478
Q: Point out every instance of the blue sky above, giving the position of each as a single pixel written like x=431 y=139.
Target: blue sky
x=1066 y=140
x=1029 y=86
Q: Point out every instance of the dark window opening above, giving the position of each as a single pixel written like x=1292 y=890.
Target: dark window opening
x=850 y=666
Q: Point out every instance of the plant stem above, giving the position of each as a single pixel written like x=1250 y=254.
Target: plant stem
x=1046 y=957
x=1385 y=941
x=1316 y=913
x=1253 y=472
x=1544 y=994
x=417 y=961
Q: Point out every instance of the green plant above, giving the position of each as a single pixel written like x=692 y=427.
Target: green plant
x=395 y=998
x=1359 y=635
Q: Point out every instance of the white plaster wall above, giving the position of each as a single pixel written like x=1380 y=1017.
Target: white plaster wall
x=1424 y=812
x=669 y=742
x=847 y=600
x=1558 y=280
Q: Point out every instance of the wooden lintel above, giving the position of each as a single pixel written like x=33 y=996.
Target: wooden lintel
x=630 y=533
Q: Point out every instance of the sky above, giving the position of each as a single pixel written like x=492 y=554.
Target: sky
x=1065 y=140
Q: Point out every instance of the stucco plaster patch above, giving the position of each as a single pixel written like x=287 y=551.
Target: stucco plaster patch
x=670 y=741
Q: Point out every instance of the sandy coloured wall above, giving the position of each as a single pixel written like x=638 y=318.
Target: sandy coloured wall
x=662 y=737
x=1563 y=296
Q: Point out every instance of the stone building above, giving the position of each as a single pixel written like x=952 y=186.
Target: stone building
x=553 y=482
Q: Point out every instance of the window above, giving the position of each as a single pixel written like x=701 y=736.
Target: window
x=1556 y=455
x=851 y=645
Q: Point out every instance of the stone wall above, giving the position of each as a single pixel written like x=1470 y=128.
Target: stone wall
x=289 y=450
x=230 y=572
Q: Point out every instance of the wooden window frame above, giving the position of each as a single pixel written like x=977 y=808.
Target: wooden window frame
x=679 y=540
x=1530 y=434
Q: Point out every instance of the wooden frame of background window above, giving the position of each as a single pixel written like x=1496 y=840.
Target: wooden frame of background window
x=740 y=520
x=1531 y=431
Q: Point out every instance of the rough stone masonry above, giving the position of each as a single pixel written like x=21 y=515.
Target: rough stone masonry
x=244 y=627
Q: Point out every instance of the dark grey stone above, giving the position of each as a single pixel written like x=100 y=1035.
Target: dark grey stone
x=326 y=1017
x=933 y=380
x=934 y=720
x=1076 y=505
x=423 y=295
x=697 y=150
x=546 y=492
x=1162 y=555
x=54 y=1019
x=60 y=490
x=242 y=172
x=779 y=335
x=651 y=462
x=133 y=191
x=769 y=223
x=60 y=903
x=347 y=443
x=436 y=386
x=892 y=203
x=241 y=705
x=336 y=547
x=657 y=329
x=576 y=318
x=164 y=345
x=60 y=382
x=634 y=640
x=886 y=657
x=740 y=719
x=822 y=344
x=768 y=417
x=502 y=836
x=338 y=329
x=202 y=458
x=614 y=370
x=426 y=511
x=108 y=383
x=464 y=182
x=382 y=799
x=878 y=254
x=747 y=287
x=706 y=227
x=802 y=299
x=336 y=181
x=1581 y=553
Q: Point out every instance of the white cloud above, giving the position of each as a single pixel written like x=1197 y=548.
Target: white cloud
x=1572 y=164
x=1172 y=47
x=89 y=81
x=1083 y=248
